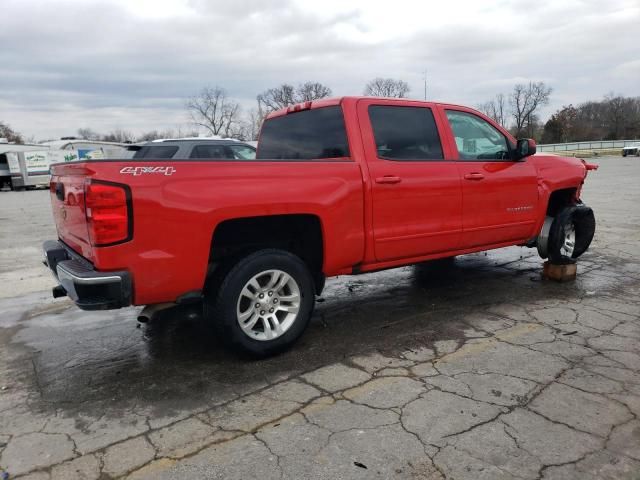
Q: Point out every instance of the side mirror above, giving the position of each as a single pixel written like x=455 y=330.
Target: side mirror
x=525 y=147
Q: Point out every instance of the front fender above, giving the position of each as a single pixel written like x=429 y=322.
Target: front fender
x=558 y=174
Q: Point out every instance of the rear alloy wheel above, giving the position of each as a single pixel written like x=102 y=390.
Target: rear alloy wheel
x=268 y=305
x=264 y=302
x=570 y=234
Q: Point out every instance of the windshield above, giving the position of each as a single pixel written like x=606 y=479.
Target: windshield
x=476 y=139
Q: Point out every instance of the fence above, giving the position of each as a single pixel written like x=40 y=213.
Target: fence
x=593 y=145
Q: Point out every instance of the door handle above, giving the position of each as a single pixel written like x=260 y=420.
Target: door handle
x=474 y=176
x=388 y=179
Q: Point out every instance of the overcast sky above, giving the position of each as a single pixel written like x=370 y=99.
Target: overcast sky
x=131 y=64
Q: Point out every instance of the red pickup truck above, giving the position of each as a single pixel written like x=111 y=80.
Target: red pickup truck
x=339 y=186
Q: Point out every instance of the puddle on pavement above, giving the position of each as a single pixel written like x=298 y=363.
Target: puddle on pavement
x=106 y=359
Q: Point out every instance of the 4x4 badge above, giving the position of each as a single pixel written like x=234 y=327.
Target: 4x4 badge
x=135 y=171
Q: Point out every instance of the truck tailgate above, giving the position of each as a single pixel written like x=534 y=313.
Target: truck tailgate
x=67 y=189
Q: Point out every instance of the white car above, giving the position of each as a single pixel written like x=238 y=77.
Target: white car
x=633 y=149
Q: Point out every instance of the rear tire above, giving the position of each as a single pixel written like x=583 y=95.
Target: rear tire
x=571 y=234
x=263 y=303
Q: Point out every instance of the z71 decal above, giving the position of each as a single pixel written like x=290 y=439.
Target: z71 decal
x=135 y=171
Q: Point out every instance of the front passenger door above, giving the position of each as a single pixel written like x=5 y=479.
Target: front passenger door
x=500 y=195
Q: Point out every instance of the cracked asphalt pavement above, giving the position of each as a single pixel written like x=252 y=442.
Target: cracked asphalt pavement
x=477 y=369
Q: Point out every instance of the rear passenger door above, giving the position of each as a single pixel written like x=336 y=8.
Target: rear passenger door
x=416 y=193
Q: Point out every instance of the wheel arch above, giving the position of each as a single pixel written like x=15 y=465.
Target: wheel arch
x=300 y=234
x=560 y=198
x=556 y=200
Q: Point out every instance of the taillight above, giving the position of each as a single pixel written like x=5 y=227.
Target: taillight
x=108 y=209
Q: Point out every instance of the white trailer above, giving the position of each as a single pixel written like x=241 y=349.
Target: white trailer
x=89 y=148
x=6 y=150
x=28 y=165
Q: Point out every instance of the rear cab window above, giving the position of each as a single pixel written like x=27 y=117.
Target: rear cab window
x=314 y=134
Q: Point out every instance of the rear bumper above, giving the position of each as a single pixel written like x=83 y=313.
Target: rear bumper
x=88 y=288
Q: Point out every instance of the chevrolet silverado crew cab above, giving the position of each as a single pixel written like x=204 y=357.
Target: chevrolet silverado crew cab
x=339 y=186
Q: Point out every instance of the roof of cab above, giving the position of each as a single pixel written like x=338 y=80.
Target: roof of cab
x=326 y=102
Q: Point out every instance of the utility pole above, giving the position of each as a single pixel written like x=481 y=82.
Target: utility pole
x=425 y=85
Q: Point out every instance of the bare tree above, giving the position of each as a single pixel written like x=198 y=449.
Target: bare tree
x=533 y=128
x=251 y=125
x=286 y=94
x=613 y=118
x=156 y=134
x=213 y=110
x=310 y=91
x=88 y=134
x=561 y=127
x=120 y=136
x=496 y=108
x=616 y=113
x=277 y=98
x=387 y=87
x=11 y=135
x=525 y=100
x=150 y=135
x=182 y=132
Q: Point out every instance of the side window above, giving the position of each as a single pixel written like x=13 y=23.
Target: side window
x=242 y=152
x=405 y=133
x=307 y=135
x=476 y=138
x=157 y=152
x=209 y=151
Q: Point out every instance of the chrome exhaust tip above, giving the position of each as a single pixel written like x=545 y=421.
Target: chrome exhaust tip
x=150 y=311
